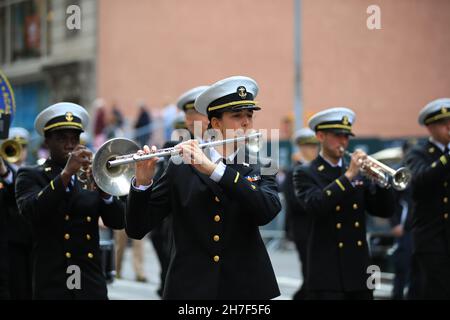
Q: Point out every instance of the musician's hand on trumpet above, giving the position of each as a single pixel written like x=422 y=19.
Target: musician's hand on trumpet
x=145 y=170
x=193 y=155
x=79 y=158
x=377 y=171
x=358 y=159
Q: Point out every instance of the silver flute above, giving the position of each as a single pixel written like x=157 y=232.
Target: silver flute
x=136 y=157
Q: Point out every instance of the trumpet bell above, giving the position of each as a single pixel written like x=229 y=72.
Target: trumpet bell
x=114 y=180
x=401 y=179
x=11 y=151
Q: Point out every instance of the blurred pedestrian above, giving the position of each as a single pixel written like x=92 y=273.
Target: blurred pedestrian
x=169 y=113
x=115 y=122
x=99 y=123
x=143 y=128
x=121 y=242
x=118 y=116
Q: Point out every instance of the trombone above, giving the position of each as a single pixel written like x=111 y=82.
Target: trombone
x=113 y=163
x=11 y=151
x=384 y=175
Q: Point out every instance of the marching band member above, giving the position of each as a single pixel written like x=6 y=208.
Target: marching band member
x=64 y=216
x=185 y=103
x=298 y=221
x=216 y=208
x=430 y=165
x=4 y=261
x=188 y=118
x=18 y=229
x=337 y=197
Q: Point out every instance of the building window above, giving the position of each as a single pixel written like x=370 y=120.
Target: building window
x=2 y=35
x=48 y=26
x=24 y=29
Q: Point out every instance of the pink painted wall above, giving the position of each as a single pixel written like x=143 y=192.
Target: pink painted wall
x=385 y=75
x=158 y=49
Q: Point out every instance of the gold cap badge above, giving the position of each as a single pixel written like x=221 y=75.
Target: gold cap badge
x=69 y=116
x=242 y=92
x=345 y=120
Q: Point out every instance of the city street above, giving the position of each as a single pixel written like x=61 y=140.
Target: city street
x=284 y=260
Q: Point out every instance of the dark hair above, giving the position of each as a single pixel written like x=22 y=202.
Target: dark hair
x=48 y=134
x=215 y=114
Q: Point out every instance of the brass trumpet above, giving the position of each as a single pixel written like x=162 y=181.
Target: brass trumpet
x=11 y=151
x=384 y=175
x=84 y=176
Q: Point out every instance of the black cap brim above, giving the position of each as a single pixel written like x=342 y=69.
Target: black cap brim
x=245 y=107
x=65 y=128
x=339 y=131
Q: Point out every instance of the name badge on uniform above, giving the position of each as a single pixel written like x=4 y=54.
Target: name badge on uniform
x=253 y=178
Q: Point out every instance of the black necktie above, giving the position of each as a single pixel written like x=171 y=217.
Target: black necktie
x=72 y=182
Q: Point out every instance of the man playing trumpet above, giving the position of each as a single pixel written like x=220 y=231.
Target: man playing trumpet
x=217 y=204
x=430 y=164
x=336 y=196
x=64 y=216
